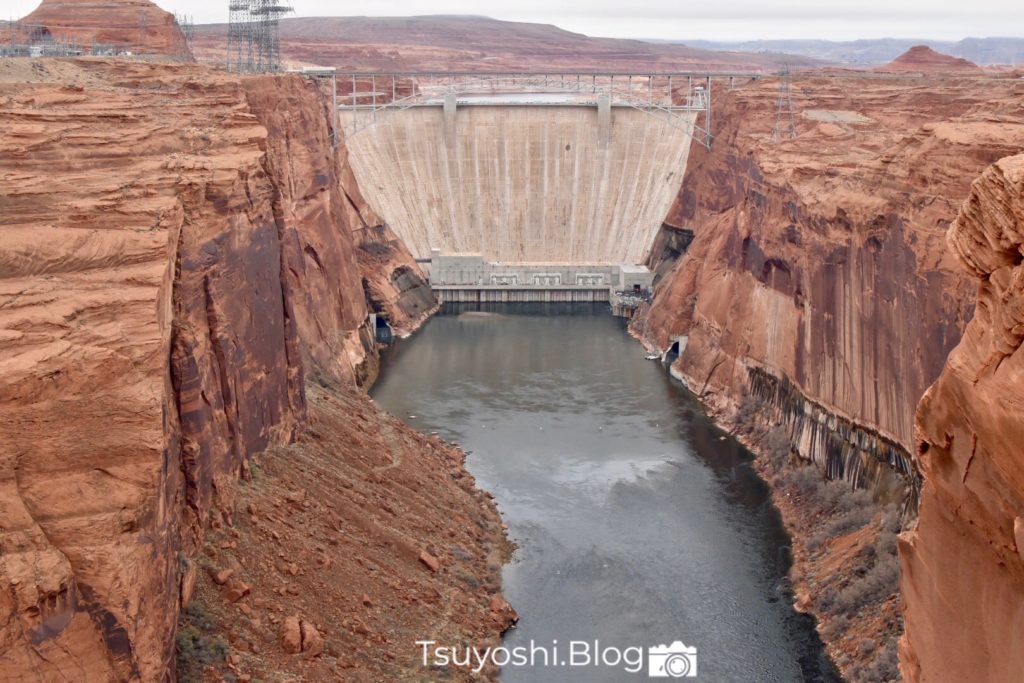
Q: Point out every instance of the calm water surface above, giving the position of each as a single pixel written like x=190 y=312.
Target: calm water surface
x=637 y=523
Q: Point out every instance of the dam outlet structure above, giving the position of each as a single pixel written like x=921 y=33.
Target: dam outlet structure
x=511 y=188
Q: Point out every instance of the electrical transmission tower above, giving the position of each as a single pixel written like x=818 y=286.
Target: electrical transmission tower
x=186 y=25
x=785 y=119
x=142 y=32
x=187 y=28
x=239 y=43
x=254 y=45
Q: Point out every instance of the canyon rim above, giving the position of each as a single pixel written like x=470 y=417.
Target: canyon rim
x=217 y=238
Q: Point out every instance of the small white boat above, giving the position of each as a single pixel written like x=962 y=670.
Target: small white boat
x=653 y=356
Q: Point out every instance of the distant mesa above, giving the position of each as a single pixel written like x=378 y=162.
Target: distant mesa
x=922 y=58
x=474 y=43
x=136 y=25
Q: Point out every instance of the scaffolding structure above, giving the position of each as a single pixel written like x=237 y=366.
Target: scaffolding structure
x=785 y=119
x=254 y=44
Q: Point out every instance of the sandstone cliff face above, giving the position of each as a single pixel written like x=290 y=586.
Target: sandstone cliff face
x=136 y=24
x=395 y=286
x=963 y=565
x=177 y=256
x=818 y=276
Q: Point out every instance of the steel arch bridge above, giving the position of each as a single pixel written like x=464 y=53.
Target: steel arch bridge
x=369 y=99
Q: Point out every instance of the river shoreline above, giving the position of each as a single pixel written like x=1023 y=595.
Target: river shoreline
x=479 y=363
x=813 y=570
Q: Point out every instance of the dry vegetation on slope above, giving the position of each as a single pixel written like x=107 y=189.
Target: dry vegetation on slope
x=845 y=569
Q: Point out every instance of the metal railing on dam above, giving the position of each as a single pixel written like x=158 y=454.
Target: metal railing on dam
x=370 y=98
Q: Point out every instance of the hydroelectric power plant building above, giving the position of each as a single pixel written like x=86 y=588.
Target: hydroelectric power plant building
x=469 y=278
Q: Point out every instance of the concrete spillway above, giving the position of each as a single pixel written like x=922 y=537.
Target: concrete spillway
x=523 y=183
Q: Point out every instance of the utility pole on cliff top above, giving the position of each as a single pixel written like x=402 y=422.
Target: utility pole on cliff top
x=785 y=119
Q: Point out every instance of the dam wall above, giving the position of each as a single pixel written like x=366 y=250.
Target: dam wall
x=523 y=183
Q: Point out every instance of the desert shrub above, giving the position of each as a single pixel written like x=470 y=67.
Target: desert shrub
x=891 y=520
x=196 y=646
x=816 y=540
x=848 y=521
x=838 y=526
x=195 y=652
x=835 y=627
x=883 y=667
x=777 y=443
x=748 y=411
x=806 y=480
x=885 y=546
x=876 y=585
x=841 y=497
x=197 y=615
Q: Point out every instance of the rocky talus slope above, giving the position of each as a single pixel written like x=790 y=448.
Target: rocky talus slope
x=341 y=551
x=178 y=261
x=136 y=24
x=963 y=564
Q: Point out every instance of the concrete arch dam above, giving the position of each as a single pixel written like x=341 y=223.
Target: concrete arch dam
x=567 y=183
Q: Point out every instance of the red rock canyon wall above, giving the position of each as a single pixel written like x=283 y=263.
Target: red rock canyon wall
x=963 y=565
x=818 y=275
x=178 y=255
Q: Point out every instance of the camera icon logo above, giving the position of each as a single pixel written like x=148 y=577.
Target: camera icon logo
x=672 y=661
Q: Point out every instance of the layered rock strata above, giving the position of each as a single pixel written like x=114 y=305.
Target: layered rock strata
x=138 y=25
x=178 y=258
x=923 y=59
x=818 y=263
x=963 y=565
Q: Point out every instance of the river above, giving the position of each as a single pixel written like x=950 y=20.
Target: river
x=637 y=521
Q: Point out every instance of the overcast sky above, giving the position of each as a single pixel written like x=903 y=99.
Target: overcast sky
x=682 y=19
